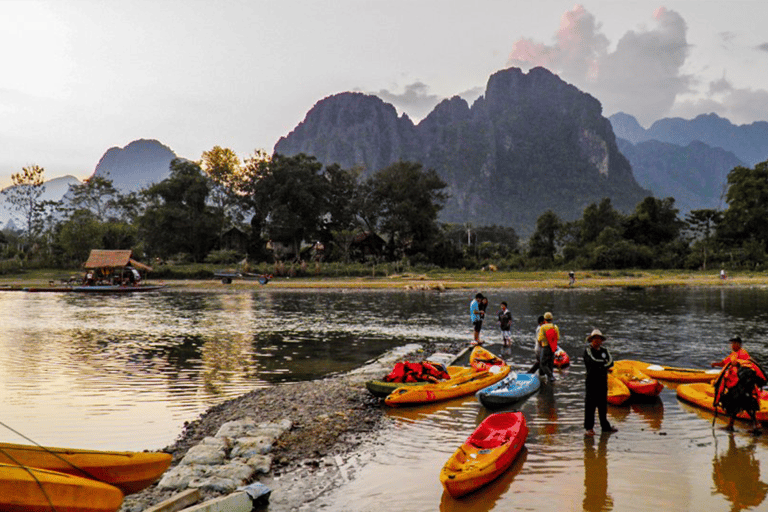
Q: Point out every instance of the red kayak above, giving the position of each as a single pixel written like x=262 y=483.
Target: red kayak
x=561 y=359
x=486 y=454
x=637 y=381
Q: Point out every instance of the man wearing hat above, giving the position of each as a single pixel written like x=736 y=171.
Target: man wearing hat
x=548 y=337
x=737 y=353
x=728 y=394
x=598 y=360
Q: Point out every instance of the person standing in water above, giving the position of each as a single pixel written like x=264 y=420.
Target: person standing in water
x=598 y=361
x=505 y=324
x=476 y=317
x=537 y=346
x=549 y=335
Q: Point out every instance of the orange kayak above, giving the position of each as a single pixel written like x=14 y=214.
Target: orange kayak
x=24 y=489
x=637 y=381
x=562 y=360
x=486 y=454
x=129 y=471
x=456 y=387
x=702 y=394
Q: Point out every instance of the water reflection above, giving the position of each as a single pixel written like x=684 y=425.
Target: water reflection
x=596 y=497
x=736 y=475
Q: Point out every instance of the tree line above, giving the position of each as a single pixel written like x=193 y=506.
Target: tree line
x=283 y=208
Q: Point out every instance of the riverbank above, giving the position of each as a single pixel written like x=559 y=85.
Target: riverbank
x=441 y=280
x=330 y=418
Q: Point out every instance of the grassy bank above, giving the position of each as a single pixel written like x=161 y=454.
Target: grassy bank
x=194 y=277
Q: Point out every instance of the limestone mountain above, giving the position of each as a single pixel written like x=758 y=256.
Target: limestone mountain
x=748 y=142
x=54 y=190
x=531 y=143
x=141 y=163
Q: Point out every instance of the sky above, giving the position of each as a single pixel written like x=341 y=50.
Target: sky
x=81 y=76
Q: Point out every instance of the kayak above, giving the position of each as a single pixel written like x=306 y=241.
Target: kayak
x=456 y=387
x=511 y=389
x=702 y=394
x=128 y=471
x=562 y=360
x=26 y=489
x=637 y=381
x=482 y=359
x=486 y=454
x=618 y=392
x=675 y=374
x=382 y=388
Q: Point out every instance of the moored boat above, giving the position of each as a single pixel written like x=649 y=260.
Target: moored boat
x=482 y=359
x=486 y=454
x=676 y=374
x=637 y=381
x=702 y=394
x=129 y=471
x=27 y=489
x=618 y=392
x=511 y=389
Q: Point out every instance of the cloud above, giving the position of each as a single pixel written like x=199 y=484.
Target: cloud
x=416 y=100
x=739 y=105
x=642 y=76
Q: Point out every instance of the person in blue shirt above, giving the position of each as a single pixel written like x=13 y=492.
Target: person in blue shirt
x=476 y=315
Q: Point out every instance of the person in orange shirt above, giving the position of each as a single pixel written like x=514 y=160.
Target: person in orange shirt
x=729 y=378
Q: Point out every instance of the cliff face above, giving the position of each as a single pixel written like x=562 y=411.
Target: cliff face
x=530 y=144
x=139 y=164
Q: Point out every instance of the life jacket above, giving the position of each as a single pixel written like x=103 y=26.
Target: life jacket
x=550 y=332
x=738 y=387
x=417 y=372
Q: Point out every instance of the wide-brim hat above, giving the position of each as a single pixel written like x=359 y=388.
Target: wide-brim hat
x=548 y=316
x=737 y=339
x=595 y=334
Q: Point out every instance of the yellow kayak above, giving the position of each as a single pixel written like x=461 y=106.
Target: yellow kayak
x=456 y=387
x=675 y=374
x=618 y=392
x=129 y=471
x=24 y=489
x=702 y=394
x=637 y=381
x=381 y=388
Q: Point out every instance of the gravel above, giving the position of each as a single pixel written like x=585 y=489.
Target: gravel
x=331 y=418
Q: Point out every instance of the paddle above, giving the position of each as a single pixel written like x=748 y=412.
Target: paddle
x=659 y=368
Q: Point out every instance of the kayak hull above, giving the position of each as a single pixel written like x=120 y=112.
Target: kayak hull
x=128 y=471
x=675 y=374
x=618 y=392
x=486 y=454
x=510 y=390
x=24 y=489
x=457 y=387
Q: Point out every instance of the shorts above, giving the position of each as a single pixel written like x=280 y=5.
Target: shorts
x=506 y=335
x=478 y=325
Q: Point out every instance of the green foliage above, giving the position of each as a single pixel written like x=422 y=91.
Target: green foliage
x=27 y=187
x=223 y=256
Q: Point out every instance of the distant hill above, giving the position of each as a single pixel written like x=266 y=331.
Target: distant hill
x=54 y=191
x=138 y=165
x=748 y=142
x=531 y=143
x=695 y=175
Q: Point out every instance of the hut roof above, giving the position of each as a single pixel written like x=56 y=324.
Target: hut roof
x=100 y=258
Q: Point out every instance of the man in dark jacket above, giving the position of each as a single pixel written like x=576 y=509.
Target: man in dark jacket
x=598 y=360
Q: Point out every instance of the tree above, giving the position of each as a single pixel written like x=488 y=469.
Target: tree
x=405 y=200
x=747 y=199
x=596 y=218
x=289 y=195
x=97 y=195
x=177 y=218
x=542 y=242
x=702 y=224
x=24 y=194
x=225 y=171
x=654 y=222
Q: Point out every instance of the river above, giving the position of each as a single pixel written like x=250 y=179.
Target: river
x=126 y=372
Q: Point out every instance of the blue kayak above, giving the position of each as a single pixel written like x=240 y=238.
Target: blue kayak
x=513 y=388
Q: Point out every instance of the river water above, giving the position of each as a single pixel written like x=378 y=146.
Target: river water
x=126 y=372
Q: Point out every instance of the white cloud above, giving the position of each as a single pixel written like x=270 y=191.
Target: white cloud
x=415 y=100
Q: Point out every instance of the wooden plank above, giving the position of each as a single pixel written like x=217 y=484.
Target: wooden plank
x=177 y=502
x=236 y=502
